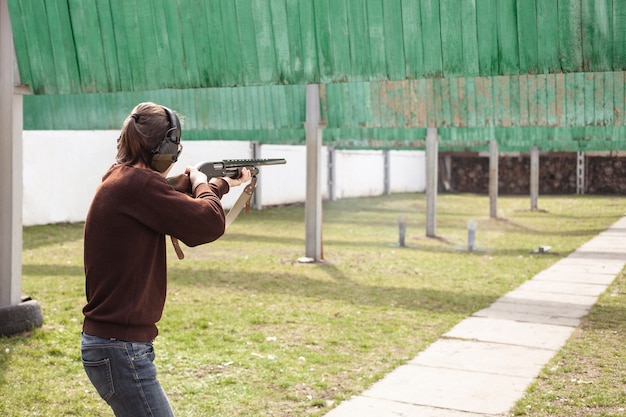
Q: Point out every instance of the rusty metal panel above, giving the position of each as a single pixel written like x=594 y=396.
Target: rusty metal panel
x=591 y=99
x=391 y=114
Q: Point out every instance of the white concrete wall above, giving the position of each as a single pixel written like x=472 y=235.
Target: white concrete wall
x=63 y=168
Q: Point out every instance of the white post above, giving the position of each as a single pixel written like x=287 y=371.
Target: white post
x=534 y=177
x=493 y=179
x=432 y=155
x=313 y=203
x=10 y=169
x=386 y=172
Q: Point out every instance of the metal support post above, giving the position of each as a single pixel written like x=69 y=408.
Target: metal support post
x=16 y=314
x=332 y=173
x=313 y=203
x=493 y=179
x=257 y=201
x=387 y=172
x=432 y=156
x=534 y=177
x=10 y=170
x=580 y=173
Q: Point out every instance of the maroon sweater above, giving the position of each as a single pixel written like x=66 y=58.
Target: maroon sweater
x=125 y=248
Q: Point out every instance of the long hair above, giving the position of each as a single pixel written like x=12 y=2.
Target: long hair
x=143 y=130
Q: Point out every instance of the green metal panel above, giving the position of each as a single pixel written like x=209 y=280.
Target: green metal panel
x=431 y=35
x=487 y=34
x=570 y=33
x=451 y=37
x=597 y=31
x=413 y=47
x=468 y=36
x=508 y=46
x=72 y=46
x=548 y=36
x=376 y=33
x=394 y=40
x=61 y=40
x=619 y=33
x=527 y=30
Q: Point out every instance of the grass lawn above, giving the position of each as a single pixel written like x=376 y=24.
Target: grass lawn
x=249 y=331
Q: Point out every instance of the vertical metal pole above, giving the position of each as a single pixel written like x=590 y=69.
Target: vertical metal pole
x=332 y=173
x=257 y=200
x=432 y=155
x=493 y=179
x=386 y=173
x=313 y=203
x=580 y=173
x=447 y=172
x=10 y=170
x=534 y=177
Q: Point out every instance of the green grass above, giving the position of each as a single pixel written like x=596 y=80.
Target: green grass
x=588 y=376
x=249 y=331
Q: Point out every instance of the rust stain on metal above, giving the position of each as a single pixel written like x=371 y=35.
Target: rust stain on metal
x=506 y=102
x=560 y=100
x=460 y=118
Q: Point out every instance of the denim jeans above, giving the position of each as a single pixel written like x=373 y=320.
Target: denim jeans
x=124 y=375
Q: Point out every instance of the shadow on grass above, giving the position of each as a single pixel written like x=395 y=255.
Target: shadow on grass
x=51 y=234
x=52 y=270
x=340 y=288
x=443 y=245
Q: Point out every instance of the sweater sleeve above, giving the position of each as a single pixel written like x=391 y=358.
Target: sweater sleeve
x=194 y=221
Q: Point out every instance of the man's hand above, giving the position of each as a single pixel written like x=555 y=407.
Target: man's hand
x=245 y=176
x=196 y=177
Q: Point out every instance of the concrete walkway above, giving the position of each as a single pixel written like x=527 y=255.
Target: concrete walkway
x=483 y=365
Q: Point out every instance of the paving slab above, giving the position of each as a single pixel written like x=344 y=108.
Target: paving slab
x=494 y=358
x=373 y=407
x=533 y=298
x=561 y=287
x=546 y=313
x=576 y=274
x=575 y=260
x=474 y=392
x=598 y=254
x=534 y=335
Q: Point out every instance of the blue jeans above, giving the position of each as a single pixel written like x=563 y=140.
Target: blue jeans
x=125 y=377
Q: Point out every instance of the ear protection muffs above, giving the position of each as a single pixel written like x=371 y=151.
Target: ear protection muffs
x=167 y=151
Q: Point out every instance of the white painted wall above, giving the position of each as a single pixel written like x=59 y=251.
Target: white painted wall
x=63 y=168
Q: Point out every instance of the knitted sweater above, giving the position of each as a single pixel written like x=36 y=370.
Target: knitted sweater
x=125 y=248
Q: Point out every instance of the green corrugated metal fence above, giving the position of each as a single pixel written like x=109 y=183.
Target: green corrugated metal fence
x=86 y=46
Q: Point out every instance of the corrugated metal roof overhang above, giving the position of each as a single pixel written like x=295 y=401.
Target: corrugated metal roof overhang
x=88 y=46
